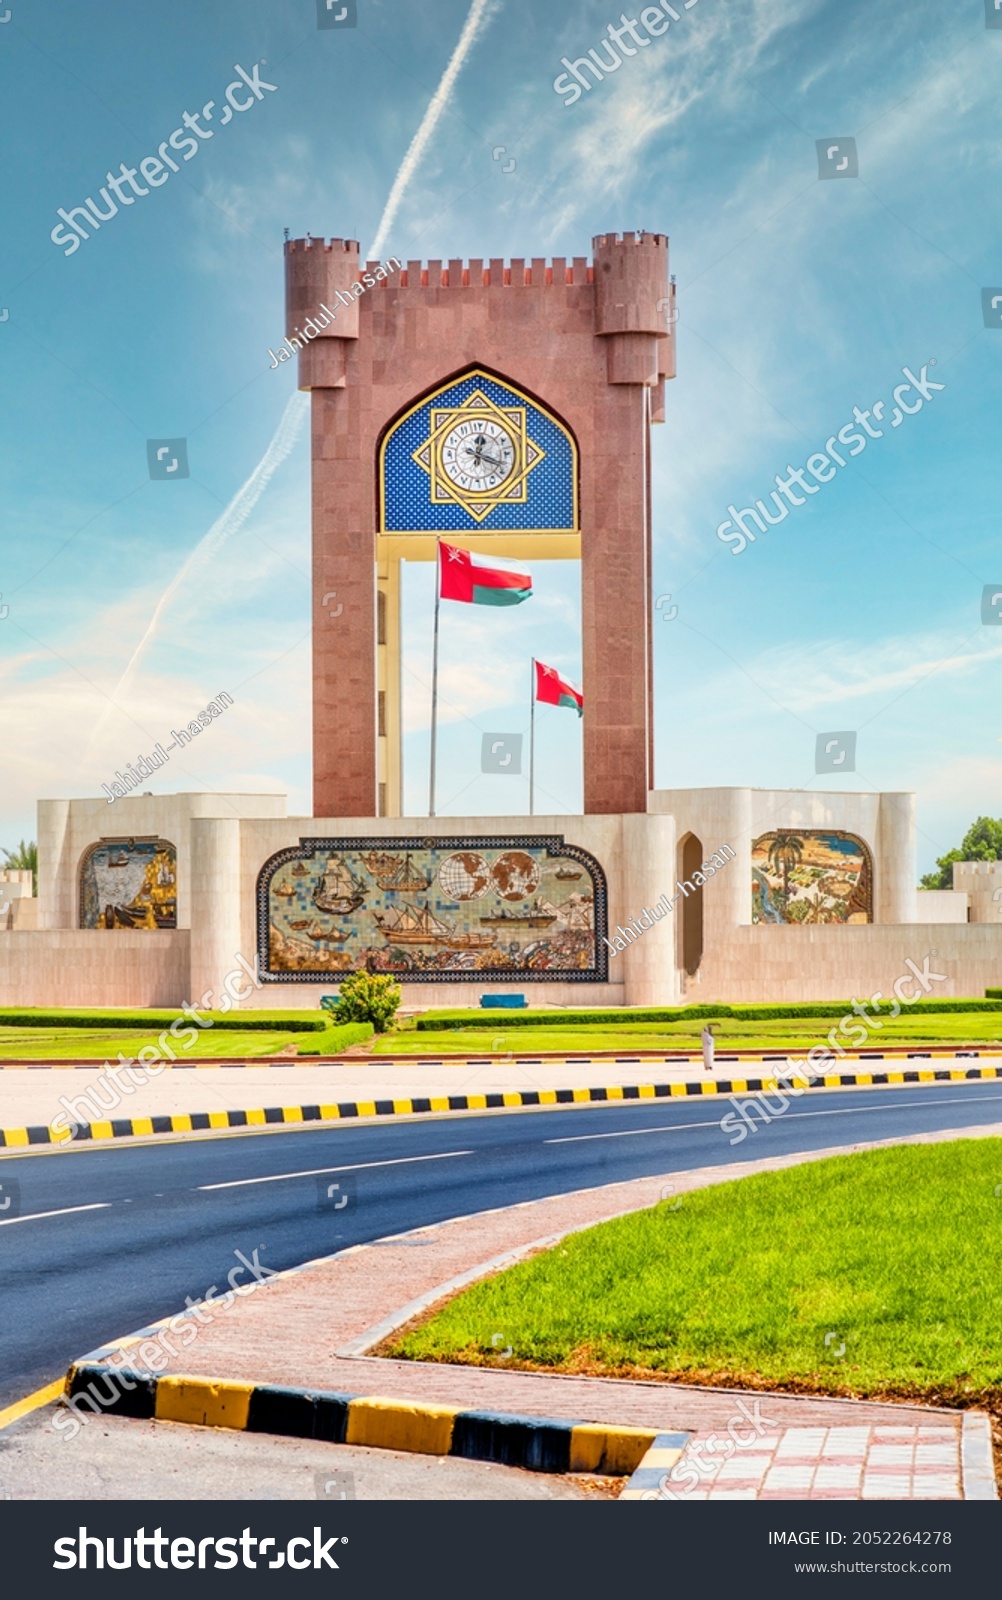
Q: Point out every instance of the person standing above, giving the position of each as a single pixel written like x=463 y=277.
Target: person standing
x=708 y=1047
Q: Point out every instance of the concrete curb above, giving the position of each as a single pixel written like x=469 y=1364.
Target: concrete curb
x=977 y=1460
x=537 y=1444
x=651 y=1471
x=601 y=1058
x=515 y=1099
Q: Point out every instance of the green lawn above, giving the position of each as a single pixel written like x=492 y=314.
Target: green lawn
x=61 y=1044
x=795 y=1033
x=895 y=1254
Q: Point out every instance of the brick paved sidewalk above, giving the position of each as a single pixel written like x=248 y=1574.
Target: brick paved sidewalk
x=33 y=1095
x=304 y=1327
x=856 y=1461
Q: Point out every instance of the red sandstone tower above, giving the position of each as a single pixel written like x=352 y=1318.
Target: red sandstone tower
x=592 y=344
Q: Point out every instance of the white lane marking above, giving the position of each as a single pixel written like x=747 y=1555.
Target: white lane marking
x=316 y=1172
x=842 y=1111
x=631 y=1133
x=67 y=1211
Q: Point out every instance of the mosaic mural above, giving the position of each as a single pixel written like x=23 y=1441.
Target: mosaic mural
x=813 y=876
x=433 y=910
x=478 y=454
x=129 y=883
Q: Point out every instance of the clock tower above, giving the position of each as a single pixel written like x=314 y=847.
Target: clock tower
x=506 y=407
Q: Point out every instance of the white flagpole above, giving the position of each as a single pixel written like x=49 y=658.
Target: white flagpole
x=532 y=732
x=434 y=680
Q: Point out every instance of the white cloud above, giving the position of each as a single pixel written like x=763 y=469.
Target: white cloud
x=828 y=672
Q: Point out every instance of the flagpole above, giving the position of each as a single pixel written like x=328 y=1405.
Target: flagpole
x=434 y=680
x=532 y=731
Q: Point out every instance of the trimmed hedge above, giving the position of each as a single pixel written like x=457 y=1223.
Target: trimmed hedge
x=153 y=1021
x=497 y=1021
x=339 y=1038
x=994 y=994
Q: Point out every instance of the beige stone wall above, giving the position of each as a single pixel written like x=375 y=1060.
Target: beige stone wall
x=66 y=829
x=224 y=841
x=18 y=907
x=943 y=905
x=20 y=914
x=63 y=967
x=885 y=822
x=601 y=835
x=981 y=882
x=768 y=963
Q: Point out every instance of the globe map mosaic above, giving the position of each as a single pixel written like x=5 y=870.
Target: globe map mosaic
x=426 y=909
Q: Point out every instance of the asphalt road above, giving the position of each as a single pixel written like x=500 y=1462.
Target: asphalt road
x=110 y=1239
x=124 y=1459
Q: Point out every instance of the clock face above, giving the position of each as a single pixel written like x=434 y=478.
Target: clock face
x=478 y=454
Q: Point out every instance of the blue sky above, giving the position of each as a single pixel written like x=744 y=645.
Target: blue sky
x=799 y=299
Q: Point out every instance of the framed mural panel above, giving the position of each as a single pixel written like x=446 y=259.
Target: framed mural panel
x=433 y=910
x=811 y=875
x=435 y=477
x=129 y=883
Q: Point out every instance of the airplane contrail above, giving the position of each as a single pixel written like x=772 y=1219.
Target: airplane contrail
x=295 y=413
x=225 y=525
x=481 y=12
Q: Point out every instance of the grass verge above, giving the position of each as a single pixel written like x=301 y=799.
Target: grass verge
x=102 y=1044
x=914 y=1030
x=874 y=1275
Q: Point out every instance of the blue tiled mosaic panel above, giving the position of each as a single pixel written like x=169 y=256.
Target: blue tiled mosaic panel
x=433 y=911
x=407 y=506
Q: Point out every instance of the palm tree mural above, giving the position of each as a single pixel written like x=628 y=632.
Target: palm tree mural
x=785 y=852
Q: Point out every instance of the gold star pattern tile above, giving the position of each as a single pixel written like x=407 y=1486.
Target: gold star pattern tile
x=507 y=424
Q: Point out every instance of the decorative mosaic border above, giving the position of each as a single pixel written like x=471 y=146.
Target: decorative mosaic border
x=553 y=844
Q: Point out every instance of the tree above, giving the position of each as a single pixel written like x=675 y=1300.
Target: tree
x=981 y=842
x=367 y=997
x=784 y=852
x=24 y=859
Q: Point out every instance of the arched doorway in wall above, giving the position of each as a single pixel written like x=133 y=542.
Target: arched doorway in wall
x=689 y=904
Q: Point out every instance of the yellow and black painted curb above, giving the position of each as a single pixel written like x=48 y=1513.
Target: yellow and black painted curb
x=603 y=1059
x=538 y=1444
x=203 y=1121
x=649 y=1478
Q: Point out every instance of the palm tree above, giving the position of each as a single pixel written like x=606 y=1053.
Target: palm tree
x=24 y=859
x=785 y=851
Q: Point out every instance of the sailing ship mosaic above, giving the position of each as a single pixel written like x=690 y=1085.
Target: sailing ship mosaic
x=433 y=909
x=129 y=883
